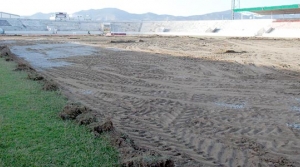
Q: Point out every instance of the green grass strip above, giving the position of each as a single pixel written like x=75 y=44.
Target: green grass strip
x=31 y=133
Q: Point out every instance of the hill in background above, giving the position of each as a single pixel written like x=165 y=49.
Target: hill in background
x=114 y=14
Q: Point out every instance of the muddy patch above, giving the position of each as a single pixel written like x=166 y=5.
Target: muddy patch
x=43 y=56
x=293 y=126
x=6 y=53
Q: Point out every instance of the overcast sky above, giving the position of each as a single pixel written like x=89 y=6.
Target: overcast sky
x=173 y=7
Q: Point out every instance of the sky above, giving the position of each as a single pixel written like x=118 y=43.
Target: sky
x=172 y=7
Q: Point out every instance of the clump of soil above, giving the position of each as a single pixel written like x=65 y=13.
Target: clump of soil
x=230 y=51
x=148 y=161
x=132 y=154
x=5 y=51
x=71 y=111
x=281 y=161
x=122 y=41
x=245 y=143
x=23 y=67
x=102 y=126
x=50 y=86
x=86 y=118
x=9 y=59
x=35 y=77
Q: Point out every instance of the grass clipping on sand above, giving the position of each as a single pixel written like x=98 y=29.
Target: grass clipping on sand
x=31 y=133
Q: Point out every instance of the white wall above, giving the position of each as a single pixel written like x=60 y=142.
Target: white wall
x=246 y=28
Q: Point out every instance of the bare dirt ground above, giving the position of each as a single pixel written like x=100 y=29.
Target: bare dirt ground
x=202 y=101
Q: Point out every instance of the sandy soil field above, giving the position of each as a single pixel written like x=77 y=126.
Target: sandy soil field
x=202 y=101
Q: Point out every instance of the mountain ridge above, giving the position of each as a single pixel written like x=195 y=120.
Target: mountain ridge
x=114 y=14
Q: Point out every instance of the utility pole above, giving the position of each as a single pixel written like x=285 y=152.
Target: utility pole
x=234 y=5
x=232 y=8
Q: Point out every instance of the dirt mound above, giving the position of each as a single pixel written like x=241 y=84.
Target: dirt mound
x=122 y=41
x=9 y=59
x=229 y=51
x=50 y=86
x=5 y=51
x=86 y=118
x=150 y=161
x=71 y=111
x=102 y=126
x=23 y=67
x=132 y=154
x=35 y=77
x=281 y=161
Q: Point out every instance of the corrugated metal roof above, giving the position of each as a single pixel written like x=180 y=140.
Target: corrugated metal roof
x=272 y=10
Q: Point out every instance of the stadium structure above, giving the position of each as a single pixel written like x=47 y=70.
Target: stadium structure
x=235 y=27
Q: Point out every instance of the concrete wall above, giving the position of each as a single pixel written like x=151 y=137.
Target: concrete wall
x=42 y=25
x=126 y=26
x=284 y=29
x=246 y=28
x=204 y=28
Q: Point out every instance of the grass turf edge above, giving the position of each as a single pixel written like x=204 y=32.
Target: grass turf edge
x=31 y=133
